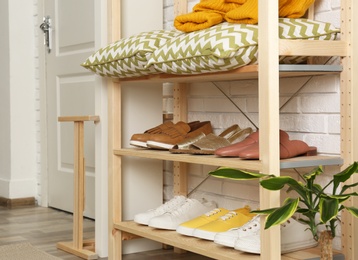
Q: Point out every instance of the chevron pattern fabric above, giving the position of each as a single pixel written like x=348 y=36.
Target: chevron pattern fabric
x=128 y=57
x=222 y=47
x=304 y=29
x=229 y=46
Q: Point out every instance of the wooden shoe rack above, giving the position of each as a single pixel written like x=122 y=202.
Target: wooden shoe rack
x=269 y=73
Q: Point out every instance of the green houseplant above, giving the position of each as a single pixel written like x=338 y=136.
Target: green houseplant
x=316 y=205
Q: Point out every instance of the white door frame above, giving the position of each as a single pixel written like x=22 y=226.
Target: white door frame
x=101 y=130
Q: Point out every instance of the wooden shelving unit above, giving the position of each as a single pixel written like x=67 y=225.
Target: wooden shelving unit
x=242 y=73
x=254 y=165
x=268 y=72
x=204 y=247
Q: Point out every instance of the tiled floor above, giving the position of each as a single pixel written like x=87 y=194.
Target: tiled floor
x=44 y=227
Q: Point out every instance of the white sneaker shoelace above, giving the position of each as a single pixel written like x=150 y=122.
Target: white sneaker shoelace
x=170 y=205
x=229 y=215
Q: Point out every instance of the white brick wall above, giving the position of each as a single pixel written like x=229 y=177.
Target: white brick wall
x=311 y=116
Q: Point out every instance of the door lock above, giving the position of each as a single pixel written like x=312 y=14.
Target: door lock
x=47 y=30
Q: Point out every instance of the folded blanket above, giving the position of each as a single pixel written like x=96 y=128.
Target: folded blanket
x=205 y=14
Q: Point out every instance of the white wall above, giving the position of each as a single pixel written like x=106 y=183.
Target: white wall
x=18 y=100
x=4 y=99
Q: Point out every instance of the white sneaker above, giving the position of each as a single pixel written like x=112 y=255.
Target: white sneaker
x=294 y=236
x=173 y=204
x=229 y=237
x=192 y=208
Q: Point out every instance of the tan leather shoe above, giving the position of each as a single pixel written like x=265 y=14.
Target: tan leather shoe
x=176 y=134
x=140 y=140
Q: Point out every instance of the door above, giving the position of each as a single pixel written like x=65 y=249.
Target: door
x=70 y=92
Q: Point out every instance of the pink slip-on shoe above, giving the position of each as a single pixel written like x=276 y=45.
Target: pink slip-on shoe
x=288 y=149
x=249 y=148
x=233 y=149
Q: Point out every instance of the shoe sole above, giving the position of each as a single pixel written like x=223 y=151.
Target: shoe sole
x=228 y=242
x=295 y=246
x=186 y=231
x=158 y=145
x=138 y=144
x=207 y=235
x=284 y=250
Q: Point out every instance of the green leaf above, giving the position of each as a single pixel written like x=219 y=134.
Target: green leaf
x=264 y=211
x=328 y=208
x=343 y=197
x=346 y=187
x=317 y=188
x=344 y=175
x=236 y=174
x=282 y=214
x=277 y=183
x=353 y=211
x=314 y=173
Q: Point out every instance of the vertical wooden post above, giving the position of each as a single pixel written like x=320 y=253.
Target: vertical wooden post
x=79 y=182
x=114 y=25
x=269 y=118
x=349 y=121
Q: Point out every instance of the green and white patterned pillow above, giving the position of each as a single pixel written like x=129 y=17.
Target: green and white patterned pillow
x=128 y=57
x=229 y=46
x=221 y=47
x=304 y=29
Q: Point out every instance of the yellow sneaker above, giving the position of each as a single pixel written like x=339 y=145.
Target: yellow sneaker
x=187 y=228
x=232 y=219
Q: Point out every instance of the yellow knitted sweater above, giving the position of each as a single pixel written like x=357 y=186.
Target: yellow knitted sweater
x=211 y=12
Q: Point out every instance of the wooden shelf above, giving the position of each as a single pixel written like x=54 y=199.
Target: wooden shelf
x=255 y=165
x=203 y=247
x=246 y=72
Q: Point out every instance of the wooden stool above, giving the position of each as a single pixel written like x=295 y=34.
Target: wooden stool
x=78 y=247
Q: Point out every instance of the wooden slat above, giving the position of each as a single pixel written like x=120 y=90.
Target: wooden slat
x=312 y=48
x=180 y=7
x=204 y=247
x=195 y=245
x=242 y=73
x=254 y=165
x=78 y=118
x=83 y=253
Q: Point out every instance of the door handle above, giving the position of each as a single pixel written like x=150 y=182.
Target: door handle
x=47 y=30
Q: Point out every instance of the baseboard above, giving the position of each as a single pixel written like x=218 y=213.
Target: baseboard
x=16 y=203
